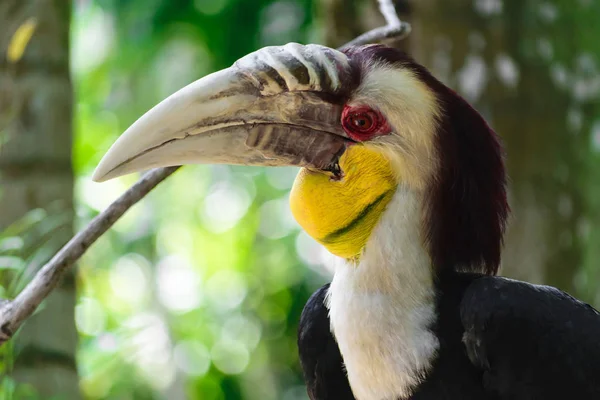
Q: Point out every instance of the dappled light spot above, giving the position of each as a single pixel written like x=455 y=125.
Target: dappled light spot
x=586 y=78
x=548 y=12
x=281 y=178
x=441 y=58
x=308 y=249
x=99 y=196
x=585 y=89
x=245 y=173
x=489 y=7
x=226 y=289
x=243 y=329
x=586 y=64
x=244 y=176
x=224 y=206
x=276 y=219
x=472 y=77
x=134 y=224
x=150 y=349
x=545 y=48
x=150 y=337
x=313 y=254
x=596 y=135
x=192 y=357
x=280 y=22
x=94 y=39
x=230 y=357
x=90 y=316
x=507 y=70
x=178 y=284
x=560 y=76
x=174 y=237
x=180 y=62
x=128 y=279
x=107 y=342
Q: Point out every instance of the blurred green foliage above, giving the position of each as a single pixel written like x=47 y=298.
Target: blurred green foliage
x=25 y=246
x=197 y=291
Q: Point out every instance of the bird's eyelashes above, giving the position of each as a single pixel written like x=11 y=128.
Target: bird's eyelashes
x=363 y=123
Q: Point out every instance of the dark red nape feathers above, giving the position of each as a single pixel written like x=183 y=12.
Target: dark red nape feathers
x=467 y=207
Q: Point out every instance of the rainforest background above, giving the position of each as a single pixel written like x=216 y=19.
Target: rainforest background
x=196 y=293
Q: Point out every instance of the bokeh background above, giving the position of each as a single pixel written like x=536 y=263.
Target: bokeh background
x=196 y=292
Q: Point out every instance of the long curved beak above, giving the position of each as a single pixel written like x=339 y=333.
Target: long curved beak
x=277 y=106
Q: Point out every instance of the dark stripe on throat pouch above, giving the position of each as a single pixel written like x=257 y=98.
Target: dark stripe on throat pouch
x=335 y=235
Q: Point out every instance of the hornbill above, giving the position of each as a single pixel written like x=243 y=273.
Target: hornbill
x=404 y=182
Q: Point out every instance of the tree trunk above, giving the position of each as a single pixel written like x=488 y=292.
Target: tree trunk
x=487 y=51
x=35 y=172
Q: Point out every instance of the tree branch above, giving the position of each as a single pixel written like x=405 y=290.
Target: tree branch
x=14 y=313
x=395 y=28
x=378 y=34
x=389 y=13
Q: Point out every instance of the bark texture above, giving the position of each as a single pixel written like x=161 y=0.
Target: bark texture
x=487 y=50
x=35 y=173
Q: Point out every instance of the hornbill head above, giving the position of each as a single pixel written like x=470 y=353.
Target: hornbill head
x=361 y=123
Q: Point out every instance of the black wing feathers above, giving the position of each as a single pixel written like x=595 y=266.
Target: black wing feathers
x=533 y=342
x=320 y=356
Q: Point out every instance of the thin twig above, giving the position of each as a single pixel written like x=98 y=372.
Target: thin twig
x=14 y=313
x=395 y=28
x=378 y=34
x=389 y=13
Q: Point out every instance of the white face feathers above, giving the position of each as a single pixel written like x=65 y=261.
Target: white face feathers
x=382 y=307
x=412 y=111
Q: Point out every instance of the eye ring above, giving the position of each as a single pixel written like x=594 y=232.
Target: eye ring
x=363 y=123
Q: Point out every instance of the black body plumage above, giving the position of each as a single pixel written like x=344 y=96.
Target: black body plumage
x=319 y=354
x=499 y=340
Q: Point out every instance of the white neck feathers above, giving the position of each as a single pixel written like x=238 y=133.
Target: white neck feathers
x=382 y=307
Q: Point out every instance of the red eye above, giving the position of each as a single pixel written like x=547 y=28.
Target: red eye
x=363 y=123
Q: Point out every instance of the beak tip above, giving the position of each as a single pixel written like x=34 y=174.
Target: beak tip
x=102 y=173
x=98 y=176
x=110 y=166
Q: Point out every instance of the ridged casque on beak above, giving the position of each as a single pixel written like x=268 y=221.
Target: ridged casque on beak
x=276 y=106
